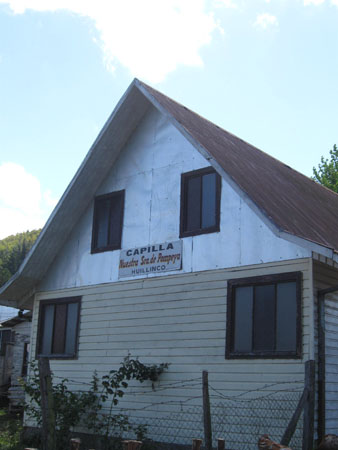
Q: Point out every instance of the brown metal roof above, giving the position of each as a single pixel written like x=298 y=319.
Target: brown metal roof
x=294 y=203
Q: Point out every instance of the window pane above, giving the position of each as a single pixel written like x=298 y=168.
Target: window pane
x=59 y=328
x=71 y=328
x=243 y=319
x=193 y=203
x=47 y=329
x=264 y=318
x=102 y=222
x=286 y=317
x=115 y=220
x=209 y=200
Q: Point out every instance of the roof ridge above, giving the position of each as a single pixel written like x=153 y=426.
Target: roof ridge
x=230 y=134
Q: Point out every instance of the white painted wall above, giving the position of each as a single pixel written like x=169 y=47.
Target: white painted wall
x=149 y=169
x=181 y=320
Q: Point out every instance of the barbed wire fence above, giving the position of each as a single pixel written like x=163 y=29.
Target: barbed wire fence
x=238 y=419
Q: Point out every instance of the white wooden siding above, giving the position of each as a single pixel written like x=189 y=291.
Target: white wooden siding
x=326 y=276
x=181 y=320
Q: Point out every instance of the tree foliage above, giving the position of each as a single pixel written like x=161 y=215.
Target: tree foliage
x=13 y=250
x=327 y=172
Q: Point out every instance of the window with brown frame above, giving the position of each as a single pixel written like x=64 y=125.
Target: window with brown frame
x=5 y=337
x=264 y=317
x=107 y=222
x=200 y=202
x=58 y=327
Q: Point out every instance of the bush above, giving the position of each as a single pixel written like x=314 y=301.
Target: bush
x=84 y=408
x=10 y=431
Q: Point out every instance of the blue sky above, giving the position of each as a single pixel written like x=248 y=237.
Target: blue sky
x=264 y=70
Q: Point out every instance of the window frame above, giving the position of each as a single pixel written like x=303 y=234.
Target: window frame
x=55 y=302
x=230 y=320
x=183 y=208
x=8 y=332
x=99 y=198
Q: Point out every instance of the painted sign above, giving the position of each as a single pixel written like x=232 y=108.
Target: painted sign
x=150 y=259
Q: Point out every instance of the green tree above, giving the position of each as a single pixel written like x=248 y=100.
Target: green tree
x=327 y=172
x=13 y=250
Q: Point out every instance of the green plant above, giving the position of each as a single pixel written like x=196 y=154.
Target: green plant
x=88 y=408
x=10 y=432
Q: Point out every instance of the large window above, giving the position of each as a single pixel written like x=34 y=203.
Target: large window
x=264 y=317
x=200 y=202
x=107 y=222
x=58 y=327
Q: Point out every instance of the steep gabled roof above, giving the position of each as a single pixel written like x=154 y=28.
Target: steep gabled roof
x=293 y=202
x=289 y=201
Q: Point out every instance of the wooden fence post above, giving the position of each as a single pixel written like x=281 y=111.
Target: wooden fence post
x=131 y=445
x=220 y=444
x=206 y=411
x=75 y=444
x=196 y=444
x=308 y=425
x=47 y=405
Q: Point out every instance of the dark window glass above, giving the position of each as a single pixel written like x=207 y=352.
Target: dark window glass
x=287 y=316
x=264 y=316
x=200 y=202
x=73 y=311
x=25 y=360
x=107 y=222
x=102 y=222
x=193 y=203
x=243 y=321
x=47 y=329
x=209 y=200
x=5 y=337
x=60 y=318
x=58 y=328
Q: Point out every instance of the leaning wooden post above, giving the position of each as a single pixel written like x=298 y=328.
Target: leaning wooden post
x=206 y=411
x=196 y=444
x=291 y=428
x=309 y=410
x=47 y=405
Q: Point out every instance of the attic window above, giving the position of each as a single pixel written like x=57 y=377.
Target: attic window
x=264 y=317
x=200 y=202
x=107 y=222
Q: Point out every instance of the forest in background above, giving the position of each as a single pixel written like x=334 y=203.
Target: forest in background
x=13 y=250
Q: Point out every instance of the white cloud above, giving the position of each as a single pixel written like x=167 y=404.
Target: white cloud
x=266 y=20
x=150 y=37
x=313 y=2
x=22 y=204
x=227 y=4
x=334 y=2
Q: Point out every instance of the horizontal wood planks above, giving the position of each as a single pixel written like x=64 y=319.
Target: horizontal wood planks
x=179 y=319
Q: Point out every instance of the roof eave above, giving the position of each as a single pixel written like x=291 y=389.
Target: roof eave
x=76 y=198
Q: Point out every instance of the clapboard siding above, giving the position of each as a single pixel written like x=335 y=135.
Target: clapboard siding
x=327 y=276
x=179 y=319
